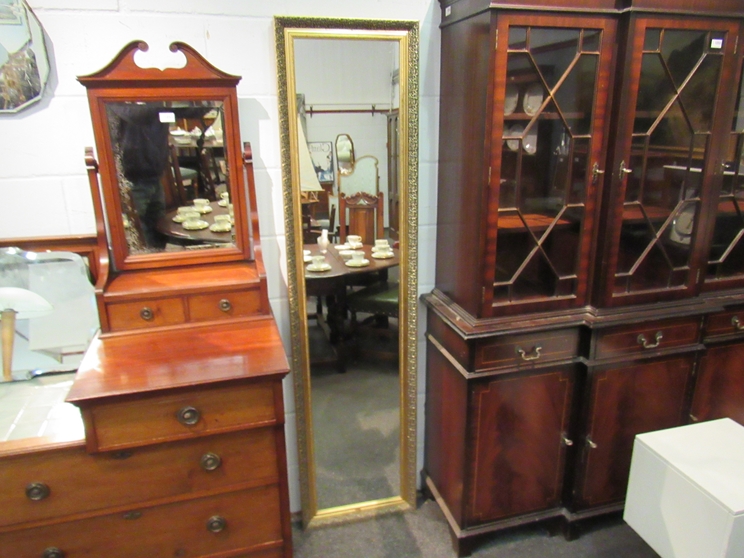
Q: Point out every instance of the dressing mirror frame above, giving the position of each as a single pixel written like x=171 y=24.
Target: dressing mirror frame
x=406 y=34
x=124 y=80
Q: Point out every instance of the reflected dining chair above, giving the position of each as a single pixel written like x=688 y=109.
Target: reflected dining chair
x=361 y=214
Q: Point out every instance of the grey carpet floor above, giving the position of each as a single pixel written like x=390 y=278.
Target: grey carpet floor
x=424 y=533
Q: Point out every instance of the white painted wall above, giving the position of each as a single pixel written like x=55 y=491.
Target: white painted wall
x=43 y=186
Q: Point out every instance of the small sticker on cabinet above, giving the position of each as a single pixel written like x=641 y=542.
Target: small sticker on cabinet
x=167 y=117
x=716 y=43
x=448 y=11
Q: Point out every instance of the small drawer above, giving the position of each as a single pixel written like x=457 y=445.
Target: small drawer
x=529 y=348
x=220 y=306
x=147 y=420
x=638 y=339
x=223 y=525
x=53 y=484
x=725 y=324
x=146 y=313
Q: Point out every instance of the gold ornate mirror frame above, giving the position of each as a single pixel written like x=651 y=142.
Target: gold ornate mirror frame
x=287 y=29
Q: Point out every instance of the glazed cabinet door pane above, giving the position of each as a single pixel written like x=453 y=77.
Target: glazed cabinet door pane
x=623 y=402
x=665 y=157
x=550 y=95
x=520 y=425
x=725 y=260
x=719 y=390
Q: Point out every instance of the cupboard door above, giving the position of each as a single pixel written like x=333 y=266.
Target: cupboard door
x=549 y=116
x=725 y=262
x=520 y=433
x=670 y=119
x=719 y=390
x=623 y=402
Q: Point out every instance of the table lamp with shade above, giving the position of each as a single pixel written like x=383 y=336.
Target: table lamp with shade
x=17 y=303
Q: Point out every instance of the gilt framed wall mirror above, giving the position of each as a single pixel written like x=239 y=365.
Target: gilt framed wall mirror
x=352 y=289
x=170 y=162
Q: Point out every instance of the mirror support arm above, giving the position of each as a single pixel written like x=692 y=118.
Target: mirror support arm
x=102 y=255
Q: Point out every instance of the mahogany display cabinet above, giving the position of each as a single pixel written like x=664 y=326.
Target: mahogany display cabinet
x=590 y=278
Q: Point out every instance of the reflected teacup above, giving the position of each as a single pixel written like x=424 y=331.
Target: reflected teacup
x=382 y=243
x=354 y=239
x=357 y=256
x=346 y=254
x=318 y=261
x=198 y=202
x=221 y=218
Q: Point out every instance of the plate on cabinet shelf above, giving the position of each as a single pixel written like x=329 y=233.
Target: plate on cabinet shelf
x=533 y=98
x=515 y=130
x=511 y=97
x=529 y=142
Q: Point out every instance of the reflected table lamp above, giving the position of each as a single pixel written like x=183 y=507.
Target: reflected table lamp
x=17 y=303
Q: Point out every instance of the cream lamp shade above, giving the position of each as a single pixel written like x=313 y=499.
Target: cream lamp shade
x=17 y=303
x=308 y=177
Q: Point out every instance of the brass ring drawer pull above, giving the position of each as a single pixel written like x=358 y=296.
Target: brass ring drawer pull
x=646 y=345
x=210 y=461
x=216 y=523
x=535 y=353
x=53 y=552
x=147 y=314
x=225 y=305
x=736 y=322
x=188 y=416
x=37 y=491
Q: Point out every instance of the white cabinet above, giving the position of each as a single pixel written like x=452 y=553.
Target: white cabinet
x=686 y=490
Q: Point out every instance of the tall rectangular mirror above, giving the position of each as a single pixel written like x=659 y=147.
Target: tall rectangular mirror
x=348 y=103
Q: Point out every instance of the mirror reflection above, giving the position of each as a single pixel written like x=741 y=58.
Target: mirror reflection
x=172 y=173
x=351 y=267
x=344 y=153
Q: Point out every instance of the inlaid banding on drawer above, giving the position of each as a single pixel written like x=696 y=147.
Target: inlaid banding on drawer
x=122 y=424
x=138 y=475
x=220 y=306
x=146 y=313
x=646 y=337
x=251 y=518
x=533 y=348
x=725 y=323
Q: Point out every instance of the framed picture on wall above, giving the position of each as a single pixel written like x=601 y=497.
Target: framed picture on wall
x=321 y=153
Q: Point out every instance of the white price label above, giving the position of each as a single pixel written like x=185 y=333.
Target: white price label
x=167 y=117
x=716 y=43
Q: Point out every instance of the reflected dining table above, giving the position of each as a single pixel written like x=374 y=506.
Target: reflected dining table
x=331 y=286
x=175 y=231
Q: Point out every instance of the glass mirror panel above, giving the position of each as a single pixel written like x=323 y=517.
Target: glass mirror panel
x=24 y=63
x=548 y=110
x=352 y=319
x=172 y=173
x=345 y=153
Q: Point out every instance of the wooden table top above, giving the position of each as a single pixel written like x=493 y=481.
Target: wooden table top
x=168 y=227
x=156 y=360
x=340 y=269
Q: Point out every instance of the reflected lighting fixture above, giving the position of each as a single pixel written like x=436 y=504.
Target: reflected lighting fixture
x=17 y=303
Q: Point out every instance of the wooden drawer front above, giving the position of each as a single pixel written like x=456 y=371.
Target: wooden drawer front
x=143 y=474
x=155 y=419
x=220 y=306
x=724 y=324
x=146 y=313
x=531 y=348
x=252 y=518
x=647 y=337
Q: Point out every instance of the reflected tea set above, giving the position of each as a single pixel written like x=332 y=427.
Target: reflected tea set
x=350 y=252
x=190 y=216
